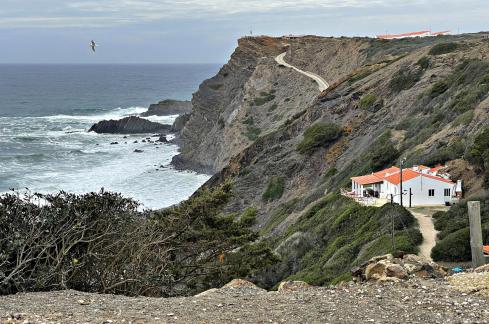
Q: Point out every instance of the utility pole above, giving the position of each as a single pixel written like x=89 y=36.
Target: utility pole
x=401 y=163
x=392 y=233
x=478 y=258
x=410 y=197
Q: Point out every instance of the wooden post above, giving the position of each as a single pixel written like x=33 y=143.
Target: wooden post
x=476 y=233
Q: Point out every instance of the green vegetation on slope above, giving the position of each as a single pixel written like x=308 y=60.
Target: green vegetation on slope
x=319 y=135
x=405 y=79
x=478 y=154
x=275 y=189
x=454 y=233
x=264 y=98
x=443 y=48
x=368 y=101
x=337 y=234
x=101 y=243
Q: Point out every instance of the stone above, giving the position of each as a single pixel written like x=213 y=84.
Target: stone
x=375 y=270
x=138 y=151
x=396 y=271
x=484 y=268
x=241 y=283
x=129 y=125
x=293 y=286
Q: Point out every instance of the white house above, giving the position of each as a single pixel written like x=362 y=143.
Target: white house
x=421 y=186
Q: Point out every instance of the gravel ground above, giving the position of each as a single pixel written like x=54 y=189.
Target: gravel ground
x=413 y=301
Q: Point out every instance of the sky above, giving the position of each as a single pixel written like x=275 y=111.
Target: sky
x=205 y=31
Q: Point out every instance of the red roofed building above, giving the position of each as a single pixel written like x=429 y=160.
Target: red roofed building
x=421 y=186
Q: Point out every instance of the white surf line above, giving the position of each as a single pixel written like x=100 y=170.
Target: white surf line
x=323 y=85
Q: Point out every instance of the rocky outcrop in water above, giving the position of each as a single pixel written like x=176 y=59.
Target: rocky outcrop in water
x=168 y=107
x=129 y=125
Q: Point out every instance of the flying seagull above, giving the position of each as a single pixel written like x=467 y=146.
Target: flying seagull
x=93 y=45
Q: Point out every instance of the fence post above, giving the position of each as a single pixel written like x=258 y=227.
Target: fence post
x=476 y=233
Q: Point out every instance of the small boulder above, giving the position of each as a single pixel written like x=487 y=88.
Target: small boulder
x=293 y=286
x=396 y=271
x=484 y=268
x=138 y=151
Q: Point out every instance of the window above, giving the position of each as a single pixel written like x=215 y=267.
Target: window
x=431 y=192
x=447 y=192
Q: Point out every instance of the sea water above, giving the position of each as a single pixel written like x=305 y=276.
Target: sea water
x=46 y=110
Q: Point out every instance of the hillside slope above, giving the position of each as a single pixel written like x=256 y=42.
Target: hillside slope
x=287 y=149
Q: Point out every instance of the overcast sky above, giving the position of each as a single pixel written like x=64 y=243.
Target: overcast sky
x=205 y=31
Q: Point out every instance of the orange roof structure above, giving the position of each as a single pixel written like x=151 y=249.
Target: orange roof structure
x=407 y=175
x=437 y=168
x=485 y=249
x=382 y=174
x=413 y=34
x=393 y=175
x=367 y=179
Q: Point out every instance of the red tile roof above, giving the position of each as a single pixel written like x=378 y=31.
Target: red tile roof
x=407 y=174
x=393 y=175
x=382 y=174
x=367 y=179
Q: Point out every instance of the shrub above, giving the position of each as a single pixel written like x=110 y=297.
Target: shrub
x=368 y=101
x=455 y=247
x=405 y=79
x=101 y=243
x=252 y=133
x=443 y=48
x=439 y=88
x=464 y=119
x=454 y=236
x=248 y=120
x=264 y=98
x=423 y=62
x=273 y=107
x=319 y=135
x=478 y=154
x=274 y=190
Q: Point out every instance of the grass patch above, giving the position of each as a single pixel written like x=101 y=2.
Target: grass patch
x=264 y=98
x=273 y=107
x=368 y=101
x=274 y=190
x=439 y=88
x=319 y=135
x=424 y=62
x=252 y=133
x=464 y=119
x=405 y=79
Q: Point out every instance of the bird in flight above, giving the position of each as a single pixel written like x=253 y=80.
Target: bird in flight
x=93 y=45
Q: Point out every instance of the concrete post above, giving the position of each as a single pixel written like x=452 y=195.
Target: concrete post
x=476 y=233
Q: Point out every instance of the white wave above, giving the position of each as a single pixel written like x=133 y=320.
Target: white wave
x=117 y=113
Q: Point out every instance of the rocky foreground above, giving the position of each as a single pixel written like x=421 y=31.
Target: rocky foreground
x=410 y=301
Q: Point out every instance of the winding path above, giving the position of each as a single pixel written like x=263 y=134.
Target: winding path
x=322 y=84
x=427 y=228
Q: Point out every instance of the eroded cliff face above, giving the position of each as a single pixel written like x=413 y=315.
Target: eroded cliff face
x=252 y=95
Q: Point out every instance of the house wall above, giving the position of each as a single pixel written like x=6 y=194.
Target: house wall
x=420 y=187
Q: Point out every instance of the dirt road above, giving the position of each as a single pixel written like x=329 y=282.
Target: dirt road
x=322 y=84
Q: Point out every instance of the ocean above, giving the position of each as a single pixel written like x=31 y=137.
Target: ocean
x=46 y=110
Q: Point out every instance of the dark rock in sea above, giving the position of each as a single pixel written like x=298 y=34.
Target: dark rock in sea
x=143 y=141
x=135 y=142
x=138 y=151
x=129 y=125
x=163 y=139
x=114 y=143
x=168 y=107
